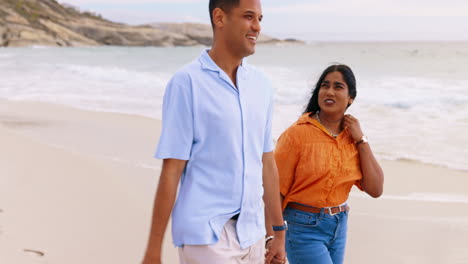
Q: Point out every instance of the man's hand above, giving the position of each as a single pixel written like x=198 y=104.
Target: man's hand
x=275 y=252
x=151 y=260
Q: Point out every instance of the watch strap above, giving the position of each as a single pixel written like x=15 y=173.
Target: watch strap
x=281 y=227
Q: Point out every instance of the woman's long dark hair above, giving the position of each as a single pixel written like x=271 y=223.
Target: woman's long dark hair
x=348 y=77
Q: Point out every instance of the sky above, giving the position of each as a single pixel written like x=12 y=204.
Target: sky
x=312 y=20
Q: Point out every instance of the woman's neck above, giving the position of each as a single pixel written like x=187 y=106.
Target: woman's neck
x=331 y=122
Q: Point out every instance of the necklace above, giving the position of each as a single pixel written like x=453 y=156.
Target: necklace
x=320 y=122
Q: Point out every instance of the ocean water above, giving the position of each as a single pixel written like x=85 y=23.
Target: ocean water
x=412 y=97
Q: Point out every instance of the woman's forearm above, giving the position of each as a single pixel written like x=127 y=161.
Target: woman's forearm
x=372 y=174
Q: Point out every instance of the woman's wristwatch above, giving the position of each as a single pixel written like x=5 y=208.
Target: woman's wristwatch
x=364 y=139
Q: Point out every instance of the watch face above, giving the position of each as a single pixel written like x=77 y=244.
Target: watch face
x=363 y=140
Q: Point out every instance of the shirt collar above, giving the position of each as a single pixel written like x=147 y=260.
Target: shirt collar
x=207 y=62
x=305 y=118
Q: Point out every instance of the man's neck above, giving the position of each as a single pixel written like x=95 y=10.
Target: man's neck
x=226 y=61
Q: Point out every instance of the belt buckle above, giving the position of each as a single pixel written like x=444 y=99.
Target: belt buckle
x=330 y=210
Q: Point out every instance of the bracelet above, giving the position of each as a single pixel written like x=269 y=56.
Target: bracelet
x=268 y=239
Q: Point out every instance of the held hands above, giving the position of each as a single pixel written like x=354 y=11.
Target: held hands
x=275 y=252
x=354 y=127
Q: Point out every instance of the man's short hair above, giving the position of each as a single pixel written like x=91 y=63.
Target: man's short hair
x=225 y=5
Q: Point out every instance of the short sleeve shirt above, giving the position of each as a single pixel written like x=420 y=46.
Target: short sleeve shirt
x=223 y=131
x=315 y=168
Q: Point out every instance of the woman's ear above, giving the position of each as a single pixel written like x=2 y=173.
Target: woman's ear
x=350 y=102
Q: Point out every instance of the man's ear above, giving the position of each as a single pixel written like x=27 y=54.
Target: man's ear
x=219 y=17
x=350 y=102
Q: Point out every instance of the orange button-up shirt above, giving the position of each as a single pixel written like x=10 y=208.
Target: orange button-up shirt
x=314 y=168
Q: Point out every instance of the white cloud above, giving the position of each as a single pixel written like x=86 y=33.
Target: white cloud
x=129 y=2
x=312 y=19
x=374 y=8
x=139 y=17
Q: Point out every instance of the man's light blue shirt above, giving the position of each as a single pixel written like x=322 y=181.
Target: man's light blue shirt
x=223 y=132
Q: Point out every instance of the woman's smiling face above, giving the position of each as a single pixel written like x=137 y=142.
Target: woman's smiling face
x=334 y=95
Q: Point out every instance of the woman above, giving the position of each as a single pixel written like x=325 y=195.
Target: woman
x=319 y=158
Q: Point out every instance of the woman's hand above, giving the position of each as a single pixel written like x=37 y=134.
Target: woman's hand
x=354 y=127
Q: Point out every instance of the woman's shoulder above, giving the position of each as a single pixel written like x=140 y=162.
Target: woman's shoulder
x=301 y=126
x=305 y=122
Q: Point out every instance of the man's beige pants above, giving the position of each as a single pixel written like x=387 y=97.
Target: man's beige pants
x=226 y=251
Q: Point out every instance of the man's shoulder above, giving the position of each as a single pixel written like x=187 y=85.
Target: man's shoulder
x=186 y=72
x=189 y=69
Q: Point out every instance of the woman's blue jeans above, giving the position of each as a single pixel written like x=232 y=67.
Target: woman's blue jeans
x=315 y=238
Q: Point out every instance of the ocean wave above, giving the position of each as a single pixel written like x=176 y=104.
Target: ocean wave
x=400 y=105
x=97 y=88
x=41 y=47
x=407 y=92
x=418 y=114
x=6 y=55
x=116 y=74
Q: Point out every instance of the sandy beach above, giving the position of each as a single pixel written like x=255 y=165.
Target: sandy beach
x=78 y=186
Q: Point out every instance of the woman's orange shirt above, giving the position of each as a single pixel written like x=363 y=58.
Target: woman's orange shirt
x=314 y=168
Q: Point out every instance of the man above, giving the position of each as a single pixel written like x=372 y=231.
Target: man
x=216 y=140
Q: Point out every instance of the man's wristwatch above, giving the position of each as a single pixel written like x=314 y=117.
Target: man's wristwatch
x=364 y=139
x=281 y=227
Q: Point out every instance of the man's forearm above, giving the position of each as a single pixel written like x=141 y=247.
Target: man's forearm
x=271 y=195
x=273 y=214
x=268 y=220
x=163 y=204
x=274 y=217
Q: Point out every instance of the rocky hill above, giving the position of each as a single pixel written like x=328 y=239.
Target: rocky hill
x=46 y=22
x=203 y=34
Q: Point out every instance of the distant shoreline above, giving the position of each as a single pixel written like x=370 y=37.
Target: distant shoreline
x=48 y=23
